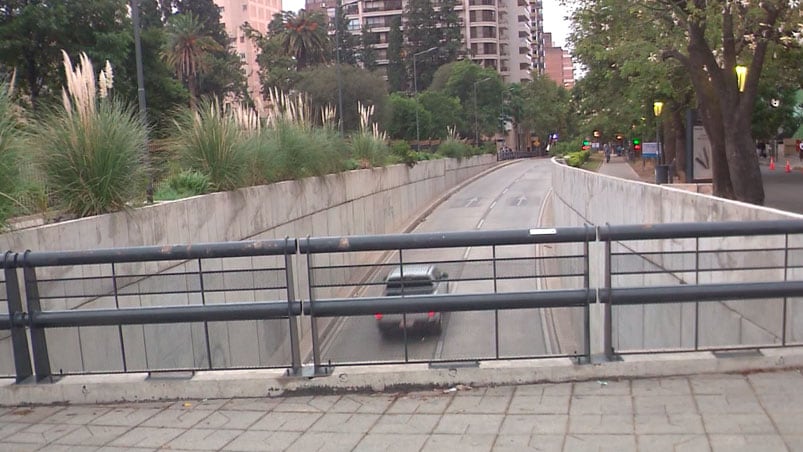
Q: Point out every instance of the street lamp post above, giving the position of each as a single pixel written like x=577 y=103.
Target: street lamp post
x=143 y=112
x=476 y=118
x=661 y=170
x=415 y=95
x=741 y=77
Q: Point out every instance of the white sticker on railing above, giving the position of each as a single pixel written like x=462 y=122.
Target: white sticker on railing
x=547 y=231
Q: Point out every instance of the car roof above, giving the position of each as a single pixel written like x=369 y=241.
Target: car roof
x=414 y=271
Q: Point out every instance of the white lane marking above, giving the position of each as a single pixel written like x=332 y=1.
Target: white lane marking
x=492 y=205
x=465 y=255
x=479 y=225
x=505 y=190
x=472 y=201
x=520 y=200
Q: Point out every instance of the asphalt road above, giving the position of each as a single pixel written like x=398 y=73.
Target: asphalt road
x=783 y=190
x=508 y=198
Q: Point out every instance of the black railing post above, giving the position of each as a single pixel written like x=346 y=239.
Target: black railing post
x=316 y=347
x=41 y=358
x=19 y=337
x=587 y=307
x=607 y=322
x=295 y=350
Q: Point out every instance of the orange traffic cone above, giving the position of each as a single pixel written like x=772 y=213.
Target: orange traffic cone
x=772 y=164
x=788 y=167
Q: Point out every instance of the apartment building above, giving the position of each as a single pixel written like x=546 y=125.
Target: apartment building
x=558 y=63
x=497 y=33
x=258 y=13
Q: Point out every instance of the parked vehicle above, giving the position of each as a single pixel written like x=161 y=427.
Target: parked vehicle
x=411 y=280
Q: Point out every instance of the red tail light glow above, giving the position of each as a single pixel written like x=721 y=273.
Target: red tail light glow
x=431 y=314
x=378 y=316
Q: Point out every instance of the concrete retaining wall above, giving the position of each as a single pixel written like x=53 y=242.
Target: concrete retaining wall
x=371 y=201
x=584 y=197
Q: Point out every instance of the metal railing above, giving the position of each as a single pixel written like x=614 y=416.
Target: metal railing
x=513 y=294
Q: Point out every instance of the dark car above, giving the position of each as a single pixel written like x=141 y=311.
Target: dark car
x=413 y=280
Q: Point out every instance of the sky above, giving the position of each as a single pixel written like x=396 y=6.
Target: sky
x=553 y=18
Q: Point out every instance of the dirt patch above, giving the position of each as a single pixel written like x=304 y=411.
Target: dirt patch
x=645 y=168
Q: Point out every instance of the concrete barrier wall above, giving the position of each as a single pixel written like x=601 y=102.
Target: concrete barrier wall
x=370 y=201
x=584 y=197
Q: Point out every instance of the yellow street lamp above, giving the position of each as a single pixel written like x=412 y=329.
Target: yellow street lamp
x=741 y=76
x=657 y=108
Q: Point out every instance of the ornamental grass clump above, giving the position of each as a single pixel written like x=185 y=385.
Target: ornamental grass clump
x=368 y=147
x=93 y=151
x=10 y=154
x=216 y=142
x=289 y=147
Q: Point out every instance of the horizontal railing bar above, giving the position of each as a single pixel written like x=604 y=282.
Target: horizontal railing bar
x=703 y=292
x=701 y=230
x=158 y=314
x=443 y=239
x=5 y=322
x=276 y=247
x=450 y=303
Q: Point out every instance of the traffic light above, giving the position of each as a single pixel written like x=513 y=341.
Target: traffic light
x=586 y=145
x=636 y=144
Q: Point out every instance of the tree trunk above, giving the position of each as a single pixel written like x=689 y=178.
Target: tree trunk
x=193 y=94
x=742 y=158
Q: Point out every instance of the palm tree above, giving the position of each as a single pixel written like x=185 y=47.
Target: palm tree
x=304 y=37
x=187 y=49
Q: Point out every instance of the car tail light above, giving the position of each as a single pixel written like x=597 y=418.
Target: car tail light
x=431 y=314
x=378 y=316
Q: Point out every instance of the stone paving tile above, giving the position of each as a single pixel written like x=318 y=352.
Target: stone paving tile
x=177 y=418
x=790 y=402
x=42 y=433
x=92 y=435
x=391 y=442
x=748 y=424
x=660 y=404
x=357 y=403
x=9 y=428
x=673 y=443
x=326 y=441
x=126 y=449
x=345 y=423
x=605 y=424
x=130 y=417
x=746 y=443
x=263 y=441
x=493 y=391
x=263 y=405
x=547 y=389
x=482 y=404
x=230 y=419
x=314 y=404
x=146 y=437
x=205 y=404
x=464 y=443
x=661 y=387
x=539 y=424
x=515 y=443
x=612 y=443
x=279 y=421
x=539 y=405
x=29 y=415
x=22 y=447
x=421 y=402
x=602 y=387
x=795 y=442
x=406 y=423
x=77 y=415
x=203 y=439
x=457 y=424
x=728 y=404
x=776 y=382
x=66 y=448
x=719 y=384
x=674 y=424
x=788 y=424
x=607 y=404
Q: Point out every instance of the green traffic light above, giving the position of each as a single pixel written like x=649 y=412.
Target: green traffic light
x=585 y=143
x=636 y=141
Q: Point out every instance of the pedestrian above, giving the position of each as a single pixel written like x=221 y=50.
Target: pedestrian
x=607 y=154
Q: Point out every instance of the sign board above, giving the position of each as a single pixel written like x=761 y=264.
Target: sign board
x=649 y=150
x=701 y=155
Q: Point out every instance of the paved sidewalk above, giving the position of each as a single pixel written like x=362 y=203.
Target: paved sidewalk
x=618 y=167
x=754 y=412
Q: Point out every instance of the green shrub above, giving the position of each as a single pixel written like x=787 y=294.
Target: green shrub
x=93 y=162
x=211 y=142
x=454 y=149
x=577 y=159
x=183 y=185
x=401 y=152
x=565 y=147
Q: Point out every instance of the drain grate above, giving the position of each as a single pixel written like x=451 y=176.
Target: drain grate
x=748 y=353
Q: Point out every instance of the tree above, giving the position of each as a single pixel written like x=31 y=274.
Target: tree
x=304 y=38
x=358 y=85
x=276 y=69
x=403 y=117
x=34 y=32
x=708 y=40
x=544 y=107
x=346 y=41
x=445 y=112
x=451 y=32
x=397 y=78
x=484 y=113
x=420 y=34
x=367 y=54
x=187 y=51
